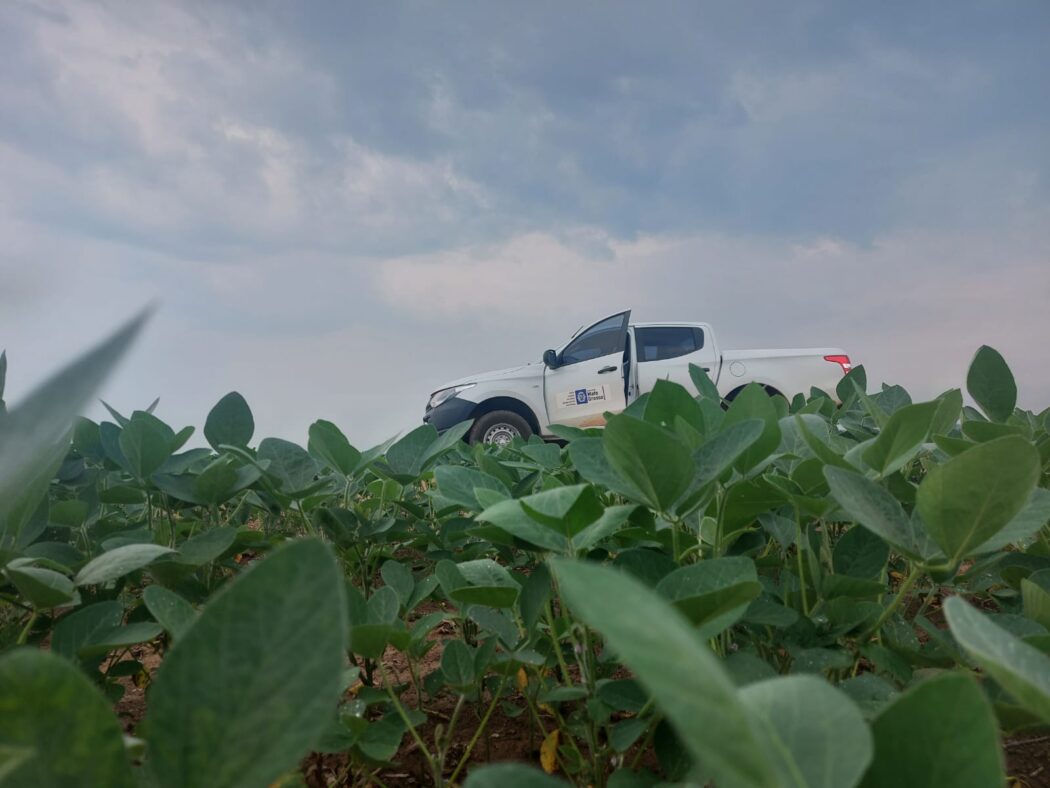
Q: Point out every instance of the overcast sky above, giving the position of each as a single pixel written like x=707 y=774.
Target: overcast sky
x=341 y=206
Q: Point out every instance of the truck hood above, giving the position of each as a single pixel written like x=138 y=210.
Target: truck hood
x=520 y=372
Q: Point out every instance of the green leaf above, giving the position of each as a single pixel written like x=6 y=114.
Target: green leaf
x=169 y=610
x=901 y=438
x=669 y=400
x=245 y=713
x=490 y=584
x=754 y=403
x=122 y=420
x=458 y=484
x=626 y=732
x=447 y=441
x=290 y=464
x=949 y=406
x=496 y=622
x=328 y=444
x=512 y=518
x=991 y=384
x=971 y=497
x=546 y=455
x=612 y=520
x=805 y=423
x=568 y=510
x=716 y=588
x=383 y=606
x=44 y=588
x=207 y=545
x=381 y=740
x=704 y=385
x=405 y=458
x=653 y=460
x=1021 y=669
x=119 y=637
x=398 y=577
x=535 y=594
x=1036 y=602
x=676 y=667
x=214 y=486
x=718 y=454
x=218 y=482
x=457 y=664
x=119 y=562
x=859 y=552
x=591 y=463
x=50 y=708
x=877 y=510
x=846 y=389
x=230 y=422
x=984 y=431
x=146 y=442
x=942 y=733
x=511 y=775
x=819 y=737
x=34 y=437
x=1024 y=525
x=80 y=627
x=874 y=409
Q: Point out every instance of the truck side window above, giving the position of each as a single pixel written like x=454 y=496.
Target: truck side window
x=657 y=343
x=599 y=340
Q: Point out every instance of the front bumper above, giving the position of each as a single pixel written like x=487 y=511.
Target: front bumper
x=449 y=413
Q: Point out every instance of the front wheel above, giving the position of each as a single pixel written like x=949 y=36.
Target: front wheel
x=499 y=428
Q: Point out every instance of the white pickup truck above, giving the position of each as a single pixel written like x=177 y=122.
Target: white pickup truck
x=607 y=365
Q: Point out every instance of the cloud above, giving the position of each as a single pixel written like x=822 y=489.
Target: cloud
x=163 y=141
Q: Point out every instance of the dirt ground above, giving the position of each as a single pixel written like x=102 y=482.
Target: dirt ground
x=1028 y=761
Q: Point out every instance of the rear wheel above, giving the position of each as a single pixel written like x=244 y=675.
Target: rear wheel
x=499 y=428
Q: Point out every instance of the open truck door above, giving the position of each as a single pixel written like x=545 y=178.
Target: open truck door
x=585 y=379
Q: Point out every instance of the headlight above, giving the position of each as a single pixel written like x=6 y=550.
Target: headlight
x=444 y=395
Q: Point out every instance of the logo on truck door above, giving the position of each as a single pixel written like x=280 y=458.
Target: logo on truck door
x=572 y=399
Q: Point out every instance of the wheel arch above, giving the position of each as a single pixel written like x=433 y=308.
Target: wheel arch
x=507 y=403
x=772 y=391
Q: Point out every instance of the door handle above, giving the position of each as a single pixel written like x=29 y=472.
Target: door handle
x=603 y=370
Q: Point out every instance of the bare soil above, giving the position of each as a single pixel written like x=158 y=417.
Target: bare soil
x=1028 y=761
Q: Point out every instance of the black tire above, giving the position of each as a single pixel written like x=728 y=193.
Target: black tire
x=499 y=427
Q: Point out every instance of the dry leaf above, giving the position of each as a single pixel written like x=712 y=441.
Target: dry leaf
x=549 y=752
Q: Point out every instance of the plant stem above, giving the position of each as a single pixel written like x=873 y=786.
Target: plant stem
x=902 y=592
x=424 y=750
x=24 y=636
x=481 y=727
x=801 y=573
x=557 y=646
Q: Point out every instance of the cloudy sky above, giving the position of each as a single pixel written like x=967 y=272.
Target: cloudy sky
x=339 y=206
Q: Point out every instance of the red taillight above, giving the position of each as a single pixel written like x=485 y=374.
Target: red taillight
x=842 y=361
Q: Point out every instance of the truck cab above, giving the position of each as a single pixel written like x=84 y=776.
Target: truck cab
x=608 y=364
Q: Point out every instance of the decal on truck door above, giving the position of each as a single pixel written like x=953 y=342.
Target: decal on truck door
x=572 y=399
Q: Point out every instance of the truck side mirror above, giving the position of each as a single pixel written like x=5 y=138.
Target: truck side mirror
x=550 y=358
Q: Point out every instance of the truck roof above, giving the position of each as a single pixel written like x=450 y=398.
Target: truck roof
x=666 y=323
